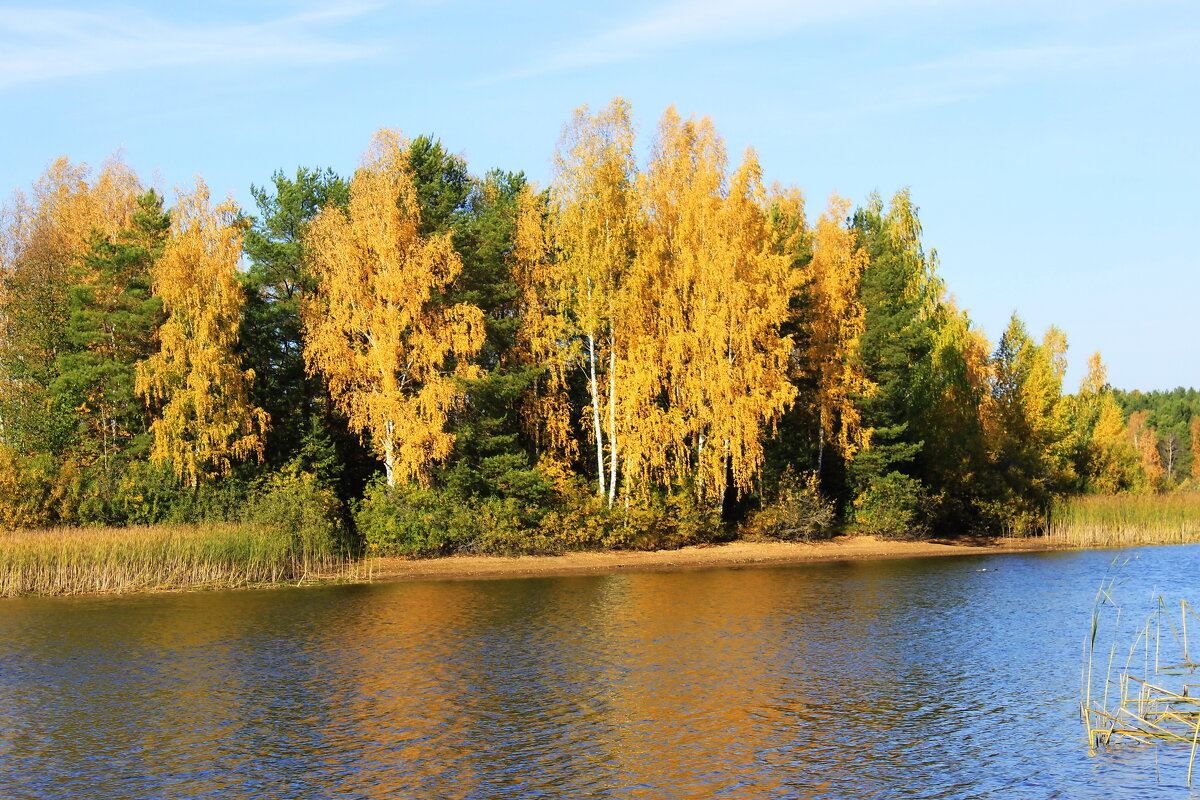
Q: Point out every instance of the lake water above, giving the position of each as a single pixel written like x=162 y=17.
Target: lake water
x=919 y=678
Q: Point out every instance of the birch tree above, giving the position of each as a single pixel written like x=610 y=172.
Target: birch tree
x=668 y=289
x=1145 y=444
x=714 y=290
x=203 y=420
x=542 y=335
x=376 y=330
x=838 y=319
x=581 y=283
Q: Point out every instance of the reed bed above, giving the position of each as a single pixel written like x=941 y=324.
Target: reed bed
x=1125 y=520
x=1155 y=696
x=93 y=560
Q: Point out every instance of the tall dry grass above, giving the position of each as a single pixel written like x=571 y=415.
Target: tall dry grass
x=1126 y=519
x=1151 y=698
x=90 y=560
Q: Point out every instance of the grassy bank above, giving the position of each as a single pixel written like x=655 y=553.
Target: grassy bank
x=87 y=560
x=227 y=555
x=1129 y=519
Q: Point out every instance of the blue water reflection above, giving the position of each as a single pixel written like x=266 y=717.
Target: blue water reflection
x=922 y=678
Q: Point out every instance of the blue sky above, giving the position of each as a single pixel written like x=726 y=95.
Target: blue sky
x=1052 y=146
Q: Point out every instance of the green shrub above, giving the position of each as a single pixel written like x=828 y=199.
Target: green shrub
x=500 y=527
x=1008 y=518
x=580 y=519
x=419 y=522
x=577 y=519
x=82 y=495
x=661 y=522
x=26 y=490
x=411 y=521
x=146 y=493
x=220 y=501
x=799 y=513
x=295 y=504
x=894 y=506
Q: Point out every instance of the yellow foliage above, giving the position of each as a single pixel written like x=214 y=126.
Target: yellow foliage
x=957 y=338
x=1145 y=442
x=1111 y=449
x=574 y=275
x=204 y=418
x=1096 y=380
x=668 y=290
x=838 y=320
x=546 y=411
x=1054 y=343
x=1113 y=463
x=1026 y=420
x=714 y=285
x=25 y=491
x=42 y=239
x=391 y=353
x=56 y=222
x=1194 y=429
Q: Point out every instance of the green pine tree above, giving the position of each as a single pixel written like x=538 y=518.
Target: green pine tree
x=900 y=292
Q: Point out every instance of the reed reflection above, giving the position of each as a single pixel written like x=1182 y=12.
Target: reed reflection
x=885 y=679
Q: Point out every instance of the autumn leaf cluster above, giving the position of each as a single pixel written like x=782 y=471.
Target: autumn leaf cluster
x=665 y=333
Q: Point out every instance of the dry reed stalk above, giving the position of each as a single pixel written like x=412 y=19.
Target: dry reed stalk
x=1155 y=713
x=77 y=561
x=1126 y=520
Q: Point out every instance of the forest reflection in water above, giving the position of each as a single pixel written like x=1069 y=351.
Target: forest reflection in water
x=954 y=677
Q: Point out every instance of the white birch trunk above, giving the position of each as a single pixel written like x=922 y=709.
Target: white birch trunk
x=724 y=484
x=820 y=442
x=612 y=423
x=389 y=453
x=599 y=430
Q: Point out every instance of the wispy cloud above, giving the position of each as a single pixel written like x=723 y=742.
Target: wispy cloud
x=1007 y=63
x=677 y=24
x=968 y=74
x=688 y=22
x=38 y=44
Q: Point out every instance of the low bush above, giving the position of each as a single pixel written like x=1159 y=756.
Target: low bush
x=798 y=513
x=412 y=521
x=417 y=522
x=26 y=490
x=294 y=504
x=893 y=506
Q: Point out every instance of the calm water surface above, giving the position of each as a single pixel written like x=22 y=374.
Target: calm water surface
x=919 y=678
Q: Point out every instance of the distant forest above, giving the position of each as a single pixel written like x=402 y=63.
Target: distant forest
x=637 y=354
x=1168 y=418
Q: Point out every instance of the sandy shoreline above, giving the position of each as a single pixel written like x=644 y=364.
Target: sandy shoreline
x=696 y=557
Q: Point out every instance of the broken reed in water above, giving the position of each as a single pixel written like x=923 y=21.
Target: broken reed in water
x=1155 y=696
x=1126 y=519
x=88 y=560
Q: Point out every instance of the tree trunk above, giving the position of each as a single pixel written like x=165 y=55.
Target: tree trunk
x=595 y=392
x=389 y=454
x=820 y=443
x=612 y=423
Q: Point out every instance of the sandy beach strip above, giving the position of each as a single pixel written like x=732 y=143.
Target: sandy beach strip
x=731 y=554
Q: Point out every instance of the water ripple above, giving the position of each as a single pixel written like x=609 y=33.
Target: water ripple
x=890 y=679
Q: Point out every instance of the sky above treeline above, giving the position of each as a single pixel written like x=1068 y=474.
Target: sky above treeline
x=1051 y=146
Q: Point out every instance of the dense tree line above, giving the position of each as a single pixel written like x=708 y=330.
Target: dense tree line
x=635 y=354
x=1170 y=425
